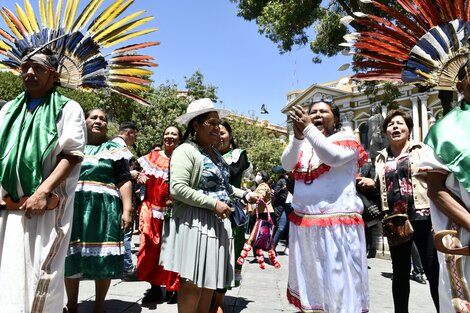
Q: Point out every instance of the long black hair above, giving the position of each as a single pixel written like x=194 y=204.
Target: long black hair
x=227 y=126
x=190 y=130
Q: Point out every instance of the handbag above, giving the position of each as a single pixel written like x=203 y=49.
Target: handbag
x=261 y=239
x=238 y=217
x=397 y=228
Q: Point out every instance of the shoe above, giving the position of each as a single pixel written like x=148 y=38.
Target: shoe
x=130 y=275
x=154 y=294
x=419 y=278
x=172 y=297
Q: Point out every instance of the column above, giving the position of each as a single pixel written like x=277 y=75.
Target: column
x=415 y=116
x=424 y=116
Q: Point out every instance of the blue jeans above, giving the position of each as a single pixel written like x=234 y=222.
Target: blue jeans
x=282 y=227
x=128 y=266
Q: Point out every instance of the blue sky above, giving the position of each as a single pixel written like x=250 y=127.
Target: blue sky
x=246 y=67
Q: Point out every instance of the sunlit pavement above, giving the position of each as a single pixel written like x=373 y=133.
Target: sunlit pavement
x=261 y=291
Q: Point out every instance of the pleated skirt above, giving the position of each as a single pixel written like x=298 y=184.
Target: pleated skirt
x=200 y=247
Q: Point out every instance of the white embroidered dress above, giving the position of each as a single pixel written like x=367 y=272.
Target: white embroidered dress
x=327 y=259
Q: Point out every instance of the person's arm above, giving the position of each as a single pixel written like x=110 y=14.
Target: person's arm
x=446 y=201
x=181 y=170
x=36 y=204
x=328 y=152
x=125 y=189
x=291 y=153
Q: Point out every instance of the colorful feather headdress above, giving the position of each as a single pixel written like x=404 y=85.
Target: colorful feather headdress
x=82 y=62
x=425 y=42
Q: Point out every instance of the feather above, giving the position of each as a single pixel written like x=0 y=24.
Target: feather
x=70 y=11
x=4 y=46
x=58 y=14
x=135 y=63
x=23 y=18
x=131 y=79
x=414 y=27
x=42 y=13
x=31 y=16
x=133 y=57
x=109 y=15
x=135 y=47
x=130 y=96
x=16 y=22
x=11 y=25
x=86 y=14
x=128 y=86
x=129 y=36
x=130 y=71
x=429 y=12
x=116 y=25
x=7 y=36
x=50 y=14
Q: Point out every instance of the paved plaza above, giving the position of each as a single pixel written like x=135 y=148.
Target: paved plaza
x=261 y=291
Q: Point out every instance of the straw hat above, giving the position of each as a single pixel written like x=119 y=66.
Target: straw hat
x=199 y=107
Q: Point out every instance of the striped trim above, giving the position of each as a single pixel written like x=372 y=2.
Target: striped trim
x=96 y=248
x=41 y=292
x=324 y=220
x=94 y=186
x=114 y=154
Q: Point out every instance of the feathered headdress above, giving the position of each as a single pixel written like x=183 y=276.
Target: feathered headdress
x=82 y=63
x=425 y=42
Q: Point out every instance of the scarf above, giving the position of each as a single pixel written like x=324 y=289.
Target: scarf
x=26 y=139
x=448 y=140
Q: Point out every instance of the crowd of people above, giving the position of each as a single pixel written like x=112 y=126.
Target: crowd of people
x=67 y=195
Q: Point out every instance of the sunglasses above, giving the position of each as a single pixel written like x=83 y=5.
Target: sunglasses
x=321 y=97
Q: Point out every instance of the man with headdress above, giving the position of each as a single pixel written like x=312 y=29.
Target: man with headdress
x=447 y=166
x=42 y=137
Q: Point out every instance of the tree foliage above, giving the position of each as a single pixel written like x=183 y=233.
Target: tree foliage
x=386 y=93
x=10 y=86
x=263 y=148
x=290 y=23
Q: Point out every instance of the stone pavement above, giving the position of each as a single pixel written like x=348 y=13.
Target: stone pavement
x=261 y=291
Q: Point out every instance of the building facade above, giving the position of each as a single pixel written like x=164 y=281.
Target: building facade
x=355 y=107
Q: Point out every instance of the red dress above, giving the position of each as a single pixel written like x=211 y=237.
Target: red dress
x=155 y=166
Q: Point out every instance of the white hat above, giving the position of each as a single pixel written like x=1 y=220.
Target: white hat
x=199 y=107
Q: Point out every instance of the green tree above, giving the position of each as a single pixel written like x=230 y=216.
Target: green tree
x=264 y=148
x=290 y=23
x=389 y=92
x=10 y=85
x=197 y=89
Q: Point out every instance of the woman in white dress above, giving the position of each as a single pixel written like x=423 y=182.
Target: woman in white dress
x=327 y=259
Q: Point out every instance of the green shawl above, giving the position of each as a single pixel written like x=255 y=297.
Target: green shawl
x=449 y=140
x=26 y=139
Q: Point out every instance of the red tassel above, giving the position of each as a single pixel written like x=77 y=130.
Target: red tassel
x=243 y=254
x=273 y=258
x=260 y=258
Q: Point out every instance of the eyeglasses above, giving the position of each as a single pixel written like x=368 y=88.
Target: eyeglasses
x=213 y=122
x=321 y=97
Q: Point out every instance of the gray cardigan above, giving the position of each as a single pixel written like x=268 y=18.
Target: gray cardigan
x=185 y=174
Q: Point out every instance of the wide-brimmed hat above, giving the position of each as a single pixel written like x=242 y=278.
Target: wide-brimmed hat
x=198 y=107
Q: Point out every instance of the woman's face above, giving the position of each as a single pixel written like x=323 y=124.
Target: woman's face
x=208 y=132
x=171 y=137
x=224 y=139
x=97 y=124
x=397 y=131
x=322 y=117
